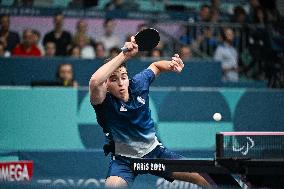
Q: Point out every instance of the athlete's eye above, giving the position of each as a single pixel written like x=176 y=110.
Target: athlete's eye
x=113 y=79
x=124 y=76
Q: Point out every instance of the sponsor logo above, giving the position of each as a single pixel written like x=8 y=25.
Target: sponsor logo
x=140 y=99
x=99 y=183
x=164 y=184
x=90 y=182
x=16 y=171
x=149 y=167
x=245 y=148
x=122 y=109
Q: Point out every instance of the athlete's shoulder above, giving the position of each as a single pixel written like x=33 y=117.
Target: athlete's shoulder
x=142 y=80
x=146 y=74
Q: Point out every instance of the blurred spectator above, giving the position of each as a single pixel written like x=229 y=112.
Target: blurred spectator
x=239 y=15
x=161 y=45
x=240 y=38
x=260 y=16
x=206 y=42
x=83 y=42
x=3 y=52
x=82 y=28
x=109 y=39
x=100 y=50
x=36 y=37
x=120 y=5
x=185 y=53
x=61 y=38
x=74 y=51
x=186 y=36
x=156 y=53
x=65 y=75
x=214 y=15
x=204 y=14
x=253 y=4
x=9 y=38
x=142 y=26
x=215 y=4
x=271 y=11
x=50 y=49
x=212 y=32
x=27 y=47
x=198 y=31
x=228 y=56
x=114 y=51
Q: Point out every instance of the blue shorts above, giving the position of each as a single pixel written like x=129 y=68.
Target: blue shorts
x=120 y=166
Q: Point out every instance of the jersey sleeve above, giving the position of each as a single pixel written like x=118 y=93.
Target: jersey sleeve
x=143 y=79
x=101 y=111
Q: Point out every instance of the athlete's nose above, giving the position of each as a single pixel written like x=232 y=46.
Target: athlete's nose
x=120 y=82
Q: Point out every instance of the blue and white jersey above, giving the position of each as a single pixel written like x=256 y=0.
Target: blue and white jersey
x=130 y=123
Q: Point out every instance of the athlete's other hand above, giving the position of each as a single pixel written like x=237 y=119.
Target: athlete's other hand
x=176 y=64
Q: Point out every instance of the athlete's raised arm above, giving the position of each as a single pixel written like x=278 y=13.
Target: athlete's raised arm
x=97 y=84
x=175 y=65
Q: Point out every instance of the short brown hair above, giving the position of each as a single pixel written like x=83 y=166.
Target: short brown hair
x=110 y=58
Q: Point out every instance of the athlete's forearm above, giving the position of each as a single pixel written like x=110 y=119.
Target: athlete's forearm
x=104 y=72
x=175 y=65
x=161 y=66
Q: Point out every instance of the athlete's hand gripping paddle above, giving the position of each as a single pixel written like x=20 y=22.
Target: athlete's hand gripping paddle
x=146 y=40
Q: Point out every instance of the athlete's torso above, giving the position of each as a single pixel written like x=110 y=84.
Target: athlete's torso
x=130 y=123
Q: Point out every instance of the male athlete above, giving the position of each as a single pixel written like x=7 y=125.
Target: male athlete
x=122 y=109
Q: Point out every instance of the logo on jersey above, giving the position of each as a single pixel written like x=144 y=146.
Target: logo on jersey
x=122 y=109
x=140 y=99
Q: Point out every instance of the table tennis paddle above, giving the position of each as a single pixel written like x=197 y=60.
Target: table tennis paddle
x=146 y=39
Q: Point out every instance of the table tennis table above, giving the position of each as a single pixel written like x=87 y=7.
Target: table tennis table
x=240 y=157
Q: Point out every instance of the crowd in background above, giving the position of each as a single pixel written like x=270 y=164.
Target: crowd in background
x=58 y=42
x=223 y=43
x=255 y=28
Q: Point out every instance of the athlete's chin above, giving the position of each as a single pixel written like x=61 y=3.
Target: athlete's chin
x=120 y=95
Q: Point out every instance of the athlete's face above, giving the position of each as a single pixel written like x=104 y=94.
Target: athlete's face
x=118 y=83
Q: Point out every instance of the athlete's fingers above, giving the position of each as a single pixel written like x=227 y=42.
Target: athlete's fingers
x=129 y=45
x=178 y=60
x=132 y=39
x=171 y=64
x=175 y=62
x=135 y=46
